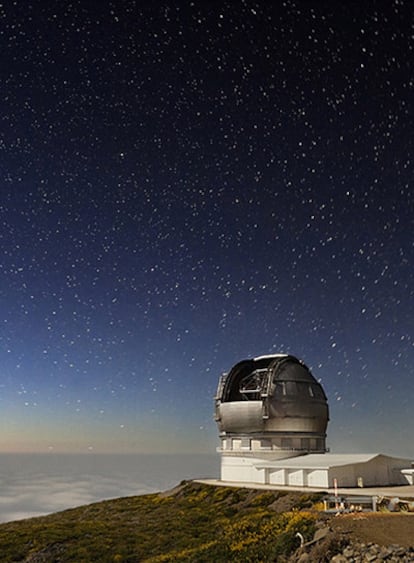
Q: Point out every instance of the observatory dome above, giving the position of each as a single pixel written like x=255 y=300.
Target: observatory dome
x=274 y=401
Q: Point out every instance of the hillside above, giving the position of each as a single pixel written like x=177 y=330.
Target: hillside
x=192 y=523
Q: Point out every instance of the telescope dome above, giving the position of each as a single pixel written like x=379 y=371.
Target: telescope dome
x=276 y=400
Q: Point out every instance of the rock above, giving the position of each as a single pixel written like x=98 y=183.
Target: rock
x=371 y=553
x=348 y=552
x=339 y=559
x=320 y=534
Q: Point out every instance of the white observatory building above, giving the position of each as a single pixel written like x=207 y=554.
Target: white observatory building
x=272 y=416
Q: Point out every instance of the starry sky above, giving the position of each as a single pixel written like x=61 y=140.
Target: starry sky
x=184 y=185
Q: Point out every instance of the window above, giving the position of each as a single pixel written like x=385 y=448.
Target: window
x=280 y=388
x=317 y=392
x=245 y=443
x=291 y=388
x=305 y=443
x=266 y=444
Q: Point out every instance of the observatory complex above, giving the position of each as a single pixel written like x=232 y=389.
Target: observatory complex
x=272 y=416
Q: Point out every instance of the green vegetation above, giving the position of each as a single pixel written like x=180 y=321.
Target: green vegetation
x=193 y=523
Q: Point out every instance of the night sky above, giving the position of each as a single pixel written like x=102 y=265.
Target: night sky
x=186 y=185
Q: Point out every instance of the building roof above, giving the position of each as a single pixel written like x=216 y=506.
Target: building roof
x=320 y=461
x=265 y=356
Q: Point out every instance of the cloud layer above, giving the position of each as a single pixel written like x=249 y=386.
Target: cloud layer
x=42 y=494
x=33 y=486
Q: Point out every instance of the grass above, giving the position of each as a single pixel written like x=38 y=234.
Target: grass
x=194 y=523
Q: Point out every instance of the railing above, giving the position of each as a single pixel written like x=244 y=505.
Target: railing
x=243 y=450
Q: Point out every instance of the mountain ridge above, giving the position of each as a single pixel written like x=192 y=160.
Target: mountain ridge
x=193 y=522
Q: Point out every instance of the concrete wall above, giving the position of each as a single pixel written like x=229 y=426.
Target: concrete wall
x=296 y=477
x=238 y=468
x=385 y=470
x=408 y=476
x=318 y=478
x=344 y=474
x=277 y=476
x=380 y=471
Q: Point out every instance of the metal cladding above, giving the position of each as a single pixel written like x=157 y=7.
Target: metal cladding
x=274 y=395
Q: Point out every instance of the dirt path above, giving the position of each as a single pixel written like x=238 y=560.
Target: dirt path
x=379 y=528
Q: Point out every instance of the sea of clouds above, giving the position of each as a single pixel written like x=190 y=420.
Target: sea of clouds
x=39 y=484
